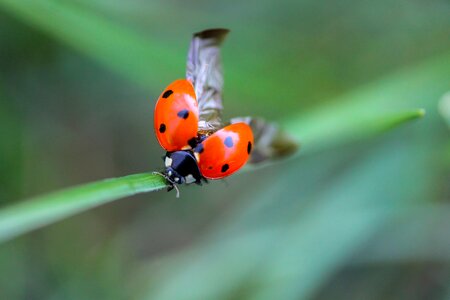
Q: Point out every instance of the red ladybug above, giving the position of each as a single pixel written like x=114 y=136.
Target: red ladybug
x=188 y=123
x=193 y=155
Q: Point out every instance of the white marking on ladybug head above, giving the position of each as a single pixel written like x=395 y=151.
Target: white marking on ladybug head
x=168 y=161
x=169 y=173
x=190 y=179
x=177 y=179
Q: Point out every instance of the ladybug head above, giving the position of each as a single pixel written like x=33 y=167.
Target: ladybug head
x=181 y=167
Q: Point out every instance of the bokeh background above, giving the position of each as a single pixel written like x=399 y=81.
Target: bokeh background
x=355 y=215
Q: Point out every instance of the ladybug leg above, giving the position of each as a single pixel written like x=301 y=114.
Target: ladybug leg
x=199 y=181
x=171 y=184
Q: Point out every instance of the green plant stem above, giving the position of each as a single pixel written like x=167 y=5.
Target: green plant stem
x=315 y=136
x=40 y=211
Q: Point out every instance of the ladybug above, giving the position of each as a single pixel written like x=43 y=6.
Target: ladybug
x=194 y=155
x=188 y=122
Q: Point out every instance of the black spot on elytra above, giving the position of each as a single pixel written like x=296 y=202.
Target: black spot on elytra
x=183 y=114
x=225 y=167
x=162 y=128
x=228 y=142
x=192 y=142
x=210 y=168
x=249 y=147
x=199 y=148
x=167 y=93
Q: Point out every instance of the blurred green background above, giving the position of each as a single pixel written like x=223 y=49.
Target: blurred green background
x=357 y=215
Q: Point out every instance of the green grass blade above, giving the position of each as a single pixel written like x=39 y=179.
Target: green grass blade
x=319 y=135
x=44 y=210
x=373 y=108
x=40 y=211
x=115 y=46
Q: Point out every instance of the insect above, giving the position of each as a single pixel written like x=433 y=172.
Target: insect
x=193 y=155
x=188 y=122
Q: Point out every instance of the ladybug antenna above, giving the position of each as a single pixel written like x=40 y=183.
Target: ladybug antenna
x=172 y=184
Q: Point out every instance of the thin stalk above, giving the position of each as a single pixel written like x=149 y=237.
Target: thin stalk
x=37 y=212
